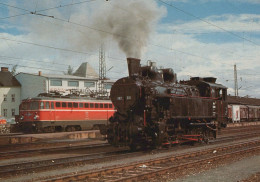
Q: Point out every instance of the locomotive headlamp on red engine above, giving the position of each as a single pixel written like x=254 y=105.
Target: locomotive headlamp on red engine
x=153 y=109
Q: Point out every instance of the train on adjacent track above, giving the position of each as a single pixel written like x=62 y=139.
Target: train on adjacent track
x=243 y=113
x=56 y=114
x=153 y=109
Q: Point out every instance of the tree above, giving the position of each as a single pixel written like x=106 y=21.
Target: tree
x=14 y=68
x=69 y=71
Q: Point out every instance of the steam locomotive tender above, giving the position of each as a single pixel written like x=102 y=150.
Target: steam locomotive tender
x=154 y=110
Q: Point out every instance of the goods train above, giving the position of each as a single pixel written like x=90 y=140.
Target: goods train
x=51 y=114
x=243 y=113
x=153 y=109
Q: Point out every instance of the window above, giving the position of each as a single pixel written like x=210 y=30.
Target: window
x=75 y=105
x=70 y=104
x=13 y=112
x=56 y=83
x=13 y=97
x=106 y=105
x=63 y=104
x=110 y=105
x=89 y=84
x=47 y=105
x=73 y=83
x=80 y=105
x=34 y=105
x=52 y=105
x=128 y=97
x=96 y=106
x=107 y=86
x=101 y=105
x=5 y=112
x=57 y=104
x=119 y=98
x=24 y=106
x=41 y=105
x=5 y=97
x=91 y=105
x=86 y=105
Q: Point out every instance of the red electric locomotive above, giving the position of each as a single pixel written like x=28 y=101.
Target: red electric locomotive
x=50 y=114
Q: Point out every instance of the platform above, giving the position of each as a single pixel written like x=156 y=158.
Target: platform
x=32 y=138
x=243 y=124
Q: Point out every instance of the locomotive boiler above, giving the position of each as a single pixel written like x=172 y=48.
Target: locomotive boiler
x=153 y=109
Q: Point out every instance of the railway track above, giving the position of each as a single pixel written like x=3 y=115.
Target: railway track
x=43 y=151
x=55 y=163
x=102 y=144
x=145 y=170
x=232 y=130
x=22 y=168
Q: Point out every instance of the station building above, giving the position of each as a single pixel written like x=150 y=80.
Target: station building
x=10 y=91
x=84 y=81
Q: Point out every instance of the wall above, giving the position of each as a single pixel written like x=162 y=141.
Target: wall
x=9 y=104
x=32 y=85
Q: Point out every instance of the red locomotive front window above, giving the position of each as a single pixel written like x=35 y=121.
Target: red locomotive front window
x=64 y=104
x=25 y=106
x=106 y=105
x=110 y=105
x=96 y=106
x=70 y=104
x=80 y=105
x=91 y=105
x=101 y=105
x=86 y=105
x=34 y=105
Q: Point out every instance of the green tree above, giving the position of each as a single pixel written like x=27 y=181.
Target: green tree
x=14 y=69
x=69 y=71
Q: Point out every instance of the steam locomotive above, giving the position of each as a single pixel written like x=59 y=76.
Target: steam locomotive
x=153 y=109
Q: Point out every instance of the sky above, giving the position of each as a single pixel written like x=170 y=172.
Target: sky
x=193 y=37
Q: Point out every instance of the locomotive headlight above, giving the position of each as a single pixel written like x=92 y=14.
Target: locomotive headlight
x=22 y=117
x=36 y=116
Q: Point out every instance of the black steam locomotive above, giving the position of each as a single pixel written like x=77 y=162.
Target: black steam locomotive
x=153 y=109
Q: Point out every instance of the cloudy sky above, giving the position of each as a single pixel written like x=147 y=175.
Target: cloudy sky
x=195 y=38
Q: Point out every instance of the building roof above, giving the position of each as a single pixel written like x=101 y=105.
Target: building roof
x=8 y=80
x=59 y=76
x=243 y=100
x=85 y=70
x=71 y=77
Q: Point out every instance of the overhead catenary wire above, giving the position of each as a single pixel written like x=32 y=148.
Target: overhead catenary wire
x=31 y=12
x=103 y=31
x=183 y=52
x=205 y=21
x=40 y=68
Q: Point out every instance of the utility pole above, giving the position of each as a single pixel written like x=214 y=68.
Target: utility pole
x=235 y=80
x=102 y=70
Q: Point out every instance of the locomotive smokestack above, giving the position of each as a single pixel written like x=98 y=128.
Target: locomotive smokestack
x=133 y=66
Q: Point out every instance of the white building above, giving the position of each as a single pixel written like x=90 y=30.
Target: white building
x=83 y=81
x=9 y=94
